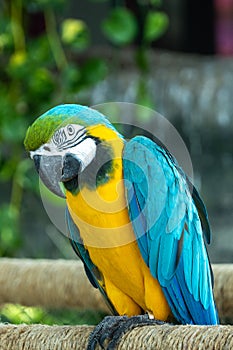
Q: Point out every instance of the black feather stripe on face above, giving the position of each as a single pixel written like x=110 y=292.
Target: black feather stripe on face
x=65 y=138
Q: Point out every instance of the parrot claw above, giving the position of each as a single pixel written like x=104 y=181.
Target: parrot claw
x=112 y=328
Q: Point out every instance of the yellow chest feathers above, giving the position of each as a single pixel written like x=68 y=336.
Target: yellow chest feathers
x=101 y=213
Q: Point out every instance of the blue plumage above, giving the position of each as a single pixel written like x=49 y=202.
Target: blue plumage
x=173 y=218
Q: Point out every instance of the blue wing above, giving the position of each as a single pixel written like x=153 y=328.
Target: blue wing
x=91 y=270
x=169 y=221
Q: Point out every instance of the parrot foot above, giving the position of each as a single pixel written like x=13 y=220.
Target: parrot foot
x=112 y=328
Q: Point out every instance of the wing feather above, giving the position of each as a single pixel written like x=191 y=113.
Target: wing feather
x=169 y=222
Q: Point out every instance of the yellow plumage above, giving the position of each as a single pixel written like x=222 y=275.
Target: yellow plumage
x=102 y=218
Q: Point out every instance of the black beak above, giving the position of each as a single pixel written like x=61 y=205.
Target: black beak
x=49 y=169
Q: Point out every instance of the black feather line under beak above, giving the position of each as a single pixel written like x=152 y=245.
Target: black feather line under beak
x=71 y=167
x=49 y=169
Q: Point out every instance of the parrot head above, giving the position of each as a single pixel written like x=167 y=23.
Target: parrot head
x=69 y=140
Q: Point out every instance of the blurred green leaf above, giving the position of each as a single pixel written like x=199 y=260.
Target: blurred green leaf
x=41 y=83
x=71 y=76
x=30 y=180
x=5 y=41
x=156 y=2
x=43 y=4
x=150 y=2
x=7 y=169
x=21 y=174
x=99 y=0
x=20 y=314
x=93 y=70
x=9 y=233
x=120 y=27
x=39 y=51
x=14 y=130
x=6 y=38
x=75 y=33
x=156 y=24
x=18 y=65
x=14 y=313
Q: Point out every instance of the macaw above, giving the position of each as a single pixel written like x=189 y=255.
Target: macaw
x=134 y=218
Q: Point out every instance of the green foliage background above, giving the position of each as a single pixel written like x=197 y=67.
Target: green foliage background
x=38 y=71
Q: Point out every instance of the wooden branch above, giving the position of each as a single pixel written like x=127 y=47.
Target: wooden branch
x=165 y=337
x=63 y=283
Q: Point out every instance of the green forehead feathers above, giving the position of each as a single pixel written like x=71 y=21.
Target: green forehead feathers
x=44 y=127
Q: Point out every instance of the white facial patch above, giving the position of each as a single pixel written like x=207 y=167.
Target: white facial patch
x=70 y=139
x=85 y=152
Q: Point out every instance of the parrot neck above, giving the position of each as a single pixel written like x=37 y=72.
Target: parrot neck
x=109 y=146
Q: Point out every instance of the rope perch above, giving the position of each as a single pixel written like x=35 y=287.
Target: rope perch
x=63 y=283
x=48 y=283
x=163 y=337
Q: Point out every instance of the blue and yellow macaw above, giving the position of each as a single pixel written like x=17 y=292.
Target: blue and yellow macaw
x=134 y=218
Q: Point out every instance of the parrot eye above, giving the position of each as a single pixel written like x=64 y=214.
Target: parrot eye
x=71 y=130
